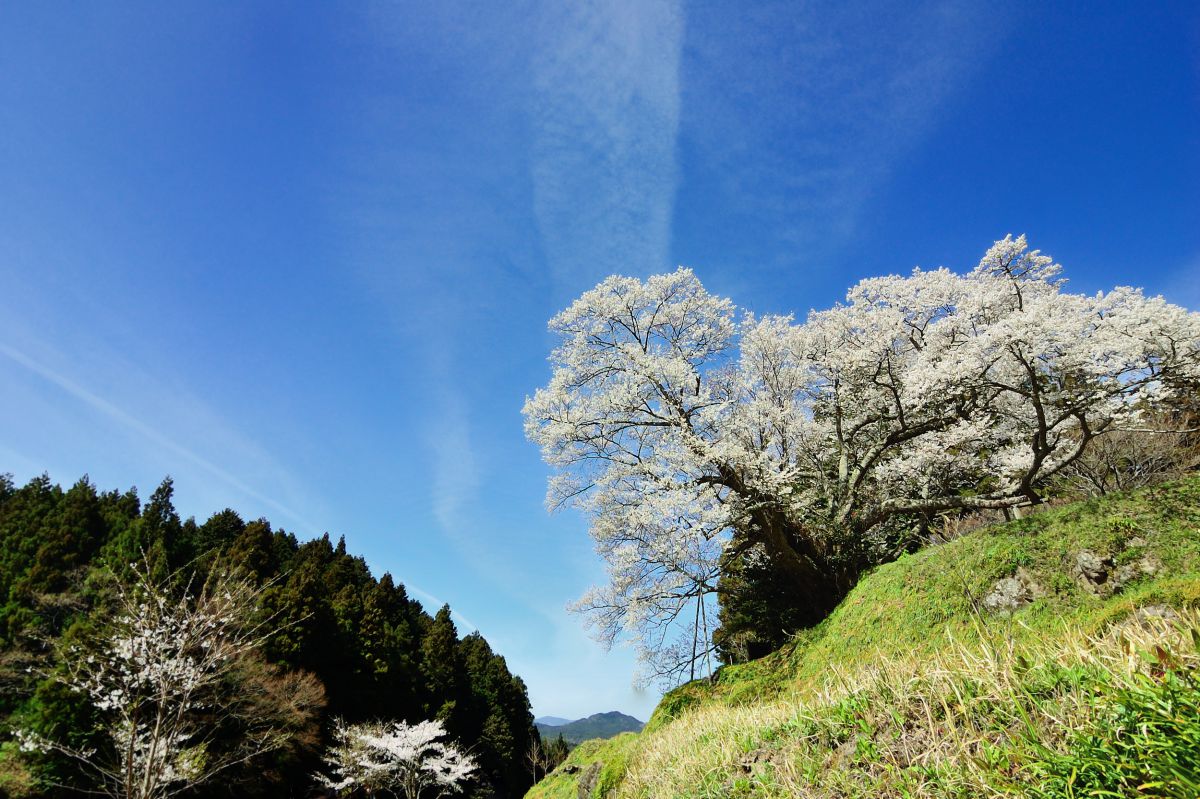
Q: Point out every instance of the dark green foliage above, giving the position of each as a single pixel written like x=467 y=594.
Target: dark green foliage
x=760 y=608
x=378 y=654
x=758 y=613
x=500 y=709
x=557 y=750
x=445 y=672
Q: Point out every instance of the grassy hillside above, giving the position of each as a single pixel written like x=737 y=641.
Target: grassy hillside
x=1057 y=655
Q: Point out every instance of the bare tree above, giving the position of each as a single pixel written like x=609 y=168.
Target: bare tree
x=1126 y=458
x=535 y=758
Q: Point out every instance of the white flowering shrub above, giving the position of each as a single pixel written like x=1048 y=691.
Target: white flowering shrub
x=156 y=674
x=409 y=760
x=678 y=428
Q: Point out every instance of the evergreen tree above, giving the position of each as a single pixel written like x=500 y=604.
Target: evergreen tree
x=445 y=673
x=757 y=615
x=221 y=530
x=375 y=651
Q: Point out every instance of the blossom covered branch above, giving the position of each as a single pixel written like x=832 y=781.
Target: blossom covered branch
x=410 y=759
x=678 y=429
x=158 y=673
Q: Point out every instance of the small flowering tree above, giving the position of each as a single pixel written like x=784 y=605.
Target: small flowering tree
x=408 y=760
x=159 y=674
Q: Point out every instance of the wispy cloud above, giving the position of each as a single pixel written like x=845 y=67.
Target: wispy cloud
x=454 y=470
x=605 y=114
x=150 y=434
x=796 y=113
x=433 y=604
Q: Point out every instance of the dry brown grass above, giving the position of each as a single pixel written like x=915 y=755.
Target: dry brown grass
x=960 y=724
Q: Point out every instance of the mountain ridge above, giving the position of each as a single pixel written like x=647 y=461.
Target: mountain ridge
x=552 y=721
x=598 y=725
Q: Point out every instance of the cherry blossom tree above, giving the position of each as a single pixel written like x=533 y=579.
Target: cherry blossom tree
x=688 y=436
x=410 y=760
x=170 y=677
x=637 y=404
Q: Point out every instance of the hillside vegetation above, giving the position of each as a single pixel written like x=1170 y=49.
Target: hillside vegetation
x=363 y=647
x=1053 y=656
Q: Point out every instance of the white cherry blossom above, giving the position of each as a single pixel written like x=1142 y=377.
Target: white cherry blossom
x=153 y=672
x=410 y=759
x=678 y=429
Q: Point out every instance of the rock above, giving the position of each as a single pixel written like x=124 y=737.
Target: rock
x=1012 y=593
x=1094 y=573
x=1006 y=596
x=1125 y=574
x=1146 y=566
x=1101 y=576
x=1153 y=612
x=589 y=780
x=1091 y=569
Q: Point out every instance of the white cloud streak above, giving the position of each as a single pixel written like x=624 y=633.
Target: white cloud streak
x=798 y=112
x=454 y=471
x=605 y=115
x=127 y=420
x=433 y=604
x=448 y=500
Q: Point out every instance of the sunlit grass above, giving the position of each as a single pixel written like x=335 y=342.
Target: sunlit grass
x=986 y=719
x=909 y=689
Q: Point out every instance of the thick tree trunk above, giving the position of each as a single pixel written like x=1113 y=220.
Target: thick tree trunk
x=765 y=601
x=804 y=576
x=795 y=557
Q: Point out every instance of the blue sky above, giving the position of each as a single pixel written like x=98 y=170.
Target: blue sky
x=301 y=257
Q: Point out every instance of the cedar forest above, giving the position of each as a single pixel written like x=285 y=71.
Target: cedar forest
x=373 y=650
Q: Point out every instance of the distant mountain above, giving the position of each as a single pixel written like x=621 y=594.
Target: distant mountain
x=599 y=725
x=551 y=721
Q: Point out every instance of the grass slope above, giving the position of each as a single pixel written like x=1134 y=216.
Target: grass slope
x=912 y=689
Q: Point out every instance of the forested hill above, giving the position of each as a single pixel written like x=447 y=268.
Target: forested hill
x=597 y=725
x=377 y=653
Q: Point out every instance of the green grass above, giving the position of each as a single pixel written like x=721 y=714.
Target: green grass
x=899 y=658
x=15 y=777
x=613 y=756
x=914 y=605
x=1155 y=752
